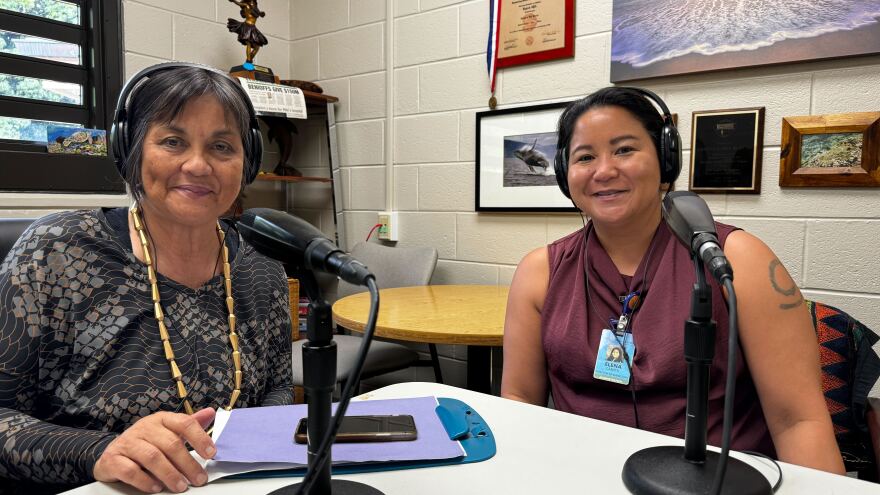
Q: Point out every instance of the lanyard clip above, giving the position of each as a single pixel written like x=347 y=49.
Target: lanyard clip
x=621 y=325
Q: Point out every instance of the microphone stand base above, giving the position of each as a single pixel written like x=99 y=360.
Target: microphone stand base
x=337 y=487
x=665 y=471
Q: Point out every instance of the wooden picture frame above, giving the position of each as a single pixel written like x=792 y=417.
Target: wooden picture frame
x=515 y=150
x=820 y=150
x=726 y=151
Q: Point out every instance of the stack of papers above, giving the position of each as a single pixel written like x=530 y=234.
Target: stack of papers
x=261 y=438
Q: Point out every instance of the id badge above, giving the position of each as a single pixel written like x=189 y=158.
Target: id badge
x=611 y=363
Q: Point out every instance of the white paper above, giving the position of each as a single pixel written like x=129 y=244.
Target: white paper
x=275 y=99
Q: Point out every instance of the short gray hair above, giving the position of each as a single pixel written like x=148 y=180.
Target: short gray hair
x=161 y=98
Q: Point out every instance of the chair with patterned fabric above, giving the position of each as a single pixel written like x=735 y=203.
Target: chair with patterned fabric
x=10 y=230
x=850 y=369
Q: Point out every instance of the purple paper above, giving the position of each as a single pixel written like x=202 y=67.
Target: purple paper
x=265 y=434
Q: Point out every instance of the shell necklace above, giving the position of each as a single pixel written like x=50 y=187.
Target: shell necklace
x=160 y=315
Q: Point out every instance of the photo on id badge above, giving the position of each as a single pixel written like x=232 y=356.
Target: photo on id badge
x=611 y=363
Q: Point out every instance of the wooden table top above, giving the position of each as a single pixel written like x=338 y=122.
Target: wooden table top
x=437 y=314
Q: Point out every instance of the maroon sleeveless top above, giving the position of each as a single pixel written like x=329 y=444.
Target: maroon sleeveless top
x=571 y=329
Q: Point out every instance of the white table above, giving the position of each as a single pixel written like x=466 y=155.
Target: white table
x=539 y=451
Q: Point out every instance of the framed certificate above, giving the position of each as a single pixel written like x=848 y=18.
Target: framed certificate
x=726 y=151
x=534 y=31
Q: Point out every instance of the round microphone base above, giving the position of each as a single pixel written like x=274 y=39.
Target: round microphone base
x=337 y=487
x=665 y=471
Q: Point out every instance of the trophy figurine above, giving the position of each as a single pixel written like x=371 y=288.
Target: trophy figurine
x=252 y=39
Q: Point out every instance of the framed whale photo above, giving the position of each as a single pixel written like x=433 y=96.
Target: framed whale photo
x=657 y=38
x=515 y=148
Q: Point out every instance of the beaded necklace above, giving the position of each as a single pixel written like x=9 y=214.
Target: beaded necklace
x=160 y=315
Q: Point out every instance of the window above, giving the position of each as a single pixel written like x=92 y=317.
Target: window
x=60 y=62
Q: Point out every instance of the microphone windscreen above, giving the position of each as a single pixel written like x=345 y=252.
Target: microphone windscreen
x=687 y=216
x=277 y=234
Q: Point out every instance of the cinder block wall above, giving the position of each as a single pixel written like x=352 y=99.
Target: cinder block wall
x=826 y=237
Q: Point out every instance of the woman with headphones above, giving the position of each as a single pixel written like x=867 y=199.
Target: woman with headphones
x=625 y=280
x=122 y=330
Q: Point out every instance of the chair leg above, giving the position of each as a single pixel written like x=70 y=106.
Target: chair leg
x=435 y=361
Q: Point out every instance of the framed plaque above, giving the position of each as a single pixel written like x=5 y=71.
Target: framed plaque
x=534 y=31
x=835 y=150
x=726 y=150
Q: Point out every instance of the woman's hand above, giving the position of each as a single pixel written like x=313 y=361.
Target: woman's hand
x=152 y=453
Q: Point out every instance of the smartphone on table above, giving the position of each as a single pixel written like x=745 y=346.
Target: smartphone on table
x=392 y=428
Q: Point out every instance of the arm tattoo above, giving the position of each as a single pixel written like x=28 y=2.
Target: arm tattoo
x=789 y=291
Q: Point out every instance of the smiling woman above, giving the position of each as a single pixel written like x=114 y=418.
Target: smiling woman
x=623 y=283
x=124 y=329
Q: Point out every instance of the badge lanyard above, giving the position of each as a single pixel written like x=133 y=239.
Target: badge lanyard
x=616 y=346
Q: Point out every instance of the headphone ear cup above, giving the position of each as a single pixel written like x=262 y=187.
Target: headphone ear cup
x=256 y=153
x=120 y=148
x=671 y=166
x=560 y=167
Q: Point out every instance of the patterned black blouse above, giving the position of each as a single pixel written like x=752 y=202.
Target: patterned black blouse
x=80 y=354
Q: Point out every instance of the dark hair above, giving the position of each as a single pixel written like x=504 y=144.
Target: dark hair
x=161 y=98
x=632 y=101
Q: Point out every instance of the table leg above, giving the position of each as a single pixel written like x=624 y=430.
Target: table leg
x=479 y=373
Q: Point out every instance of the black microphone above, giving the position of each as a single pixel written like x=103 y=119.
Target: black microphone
x=691 y=221
x=293 y=241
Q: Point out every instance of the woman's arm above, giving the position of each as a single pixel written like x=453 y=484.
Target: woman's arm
x=34 y=450
x=525 y=371
x=782 y=353
x=279 y=389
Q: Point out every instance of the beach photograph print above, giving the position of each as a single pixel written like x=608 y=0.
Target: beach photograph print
x=839 y=149
x=528 y=160
x=655 y=38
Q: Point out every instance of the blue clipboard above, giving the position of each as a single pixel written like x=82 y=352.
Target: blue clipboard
x=462 y=423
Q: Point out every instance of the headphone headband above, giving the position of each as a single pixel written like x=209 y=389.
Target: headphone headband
x=120 y=138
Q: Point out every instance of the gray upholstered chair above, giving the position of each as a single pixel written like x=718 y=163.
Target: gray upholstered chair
x=10 y=230
x=393 y=267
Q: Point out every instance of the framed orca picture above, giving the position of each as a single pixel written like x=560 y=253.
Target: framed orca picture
x=515 y=148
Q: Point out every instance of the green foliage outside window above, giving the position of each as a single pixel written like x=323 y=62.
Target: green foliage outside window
x=23 y=87
x=50 y=9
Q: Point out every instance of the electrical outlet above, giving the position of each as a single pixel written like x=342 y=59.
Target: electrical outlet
x=388 y=230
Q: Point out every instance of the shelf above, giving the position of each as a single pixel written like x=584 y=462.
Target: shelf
x=319 y=97
x=284 y=178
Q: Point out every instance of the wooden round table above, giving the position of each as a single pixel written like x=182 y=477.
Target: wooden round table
x=471 y=315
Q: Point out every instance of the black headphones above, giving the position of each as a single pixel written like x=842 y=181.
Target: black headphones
x=121 y=140
x=669 y=153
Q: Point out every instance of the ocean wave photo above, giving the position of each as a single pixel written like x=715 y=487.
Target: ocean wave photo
x=732 y=33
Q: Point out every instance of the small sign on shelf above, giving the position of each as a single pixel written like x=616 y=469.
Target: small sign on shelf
x=274 y=99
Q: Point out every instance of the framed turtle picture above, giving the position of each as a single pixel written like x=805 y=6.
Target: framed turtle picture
x=76 y=140
x=515 y=148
